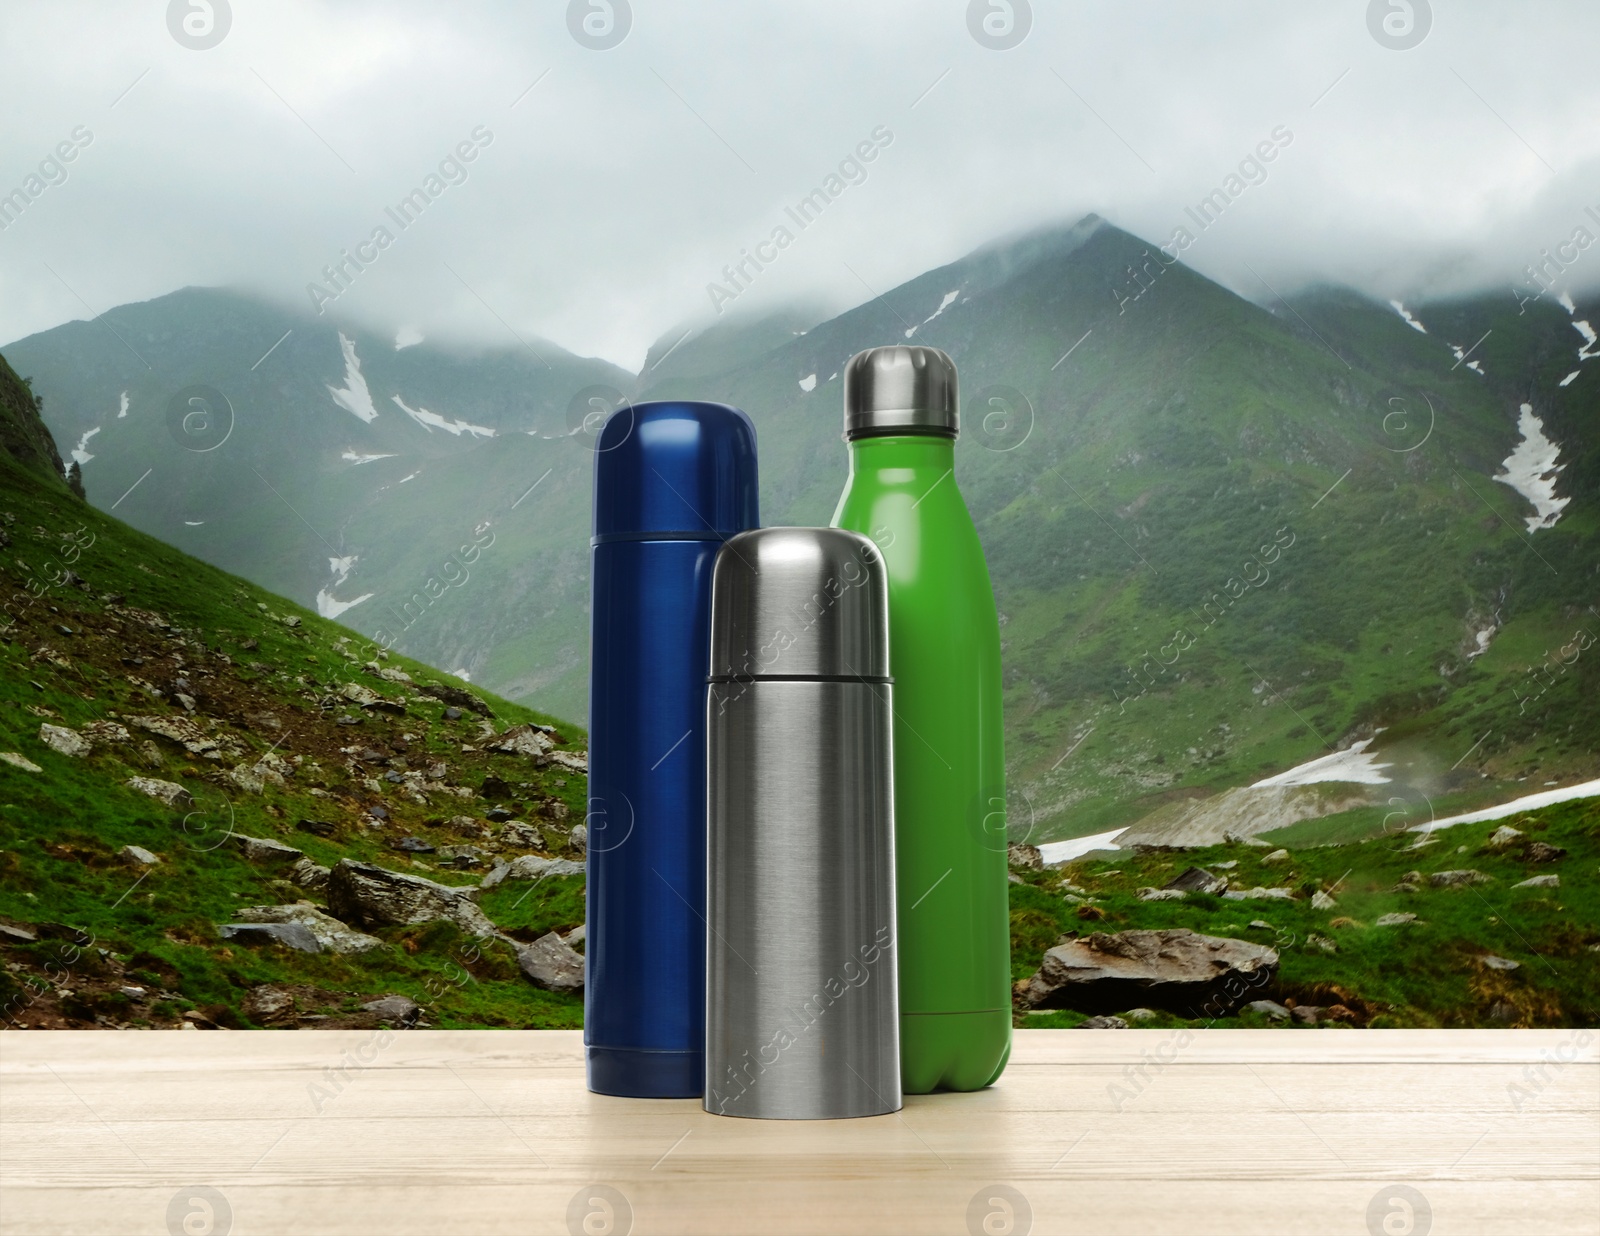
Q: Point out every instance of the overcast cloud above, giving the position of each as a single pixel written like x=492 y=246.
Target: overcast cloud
x=606 y=198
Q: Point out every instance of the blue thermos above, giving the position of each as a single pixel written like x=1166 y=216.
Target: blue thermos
x=672 y=482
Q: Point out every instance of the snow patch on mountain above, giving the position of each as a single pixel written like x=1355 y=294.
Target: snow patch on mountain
x=80 y=452
x=1410 y=321
x=1356 y=764
x=809 y=384
x=122 y=408
x=1531 y=470
x=353 y=396
x=949 y=299
x=407 y=337
x=432 y=420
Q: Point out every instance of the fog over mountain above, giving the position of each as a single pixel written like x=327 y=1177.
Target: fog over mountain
x=501 y=173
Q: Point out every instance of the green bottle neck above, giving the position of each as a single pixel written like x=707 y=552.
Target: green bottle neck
x=919 y=453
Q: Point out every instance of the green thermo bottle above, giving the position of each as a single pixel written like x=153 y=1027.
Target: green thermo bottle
x=949 y=761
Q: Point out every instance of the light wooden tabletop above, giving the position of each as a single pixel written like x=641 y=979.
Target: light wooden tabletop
x=1387 y=1132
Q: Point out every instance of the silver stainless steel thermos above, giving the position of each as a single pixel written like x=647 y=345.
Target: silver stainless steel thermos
x=802 y=1004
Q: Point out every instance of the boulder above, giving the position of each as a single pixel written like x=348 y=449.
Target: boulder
x=579 y=838
x=63 y=741
x=457 y=698
x=399 y=1011
x=291 y=935
x=1139 y=1015
x=1542 y=852
x=106 y=733
x=549 y=962
x=17 y=760
x=1235 y=838
x=137 y=856
x=1102 y=1023
x=267 y=850
x=1542 y=881
x=360 y=696
x=1021 y=854
x=532 y=867
x=1458 y=879
x=578 y=761
x=577 y=935
x=10 y=933
x=182 y=731
x=266 y=1003
x=1269 y=1009
x=1198 y=880
x=1276 y=857
x=1321 y=901
x=1502 y=837
x=1176 y=969
x=169 y=792
x=330 y=933
x=529 y=740
x=1499 y=963
x=1162 y=894
x=370 y=896
x=1394 y=920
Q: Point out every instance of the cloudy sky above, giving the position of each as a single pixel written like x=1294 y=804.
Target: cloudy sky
x=1430 y=150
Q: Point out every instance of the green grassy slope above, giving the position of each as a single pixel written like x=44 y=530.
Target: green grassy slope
x=105 y=622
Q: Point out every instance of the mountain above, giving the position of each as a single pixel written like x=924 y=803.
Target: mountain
x=219 y=809
x=1227 y=538
x=360 y=477
x=23 y=435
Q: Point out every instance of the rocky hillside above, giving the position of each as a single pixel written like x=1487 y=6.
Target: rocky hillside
x=219 y=810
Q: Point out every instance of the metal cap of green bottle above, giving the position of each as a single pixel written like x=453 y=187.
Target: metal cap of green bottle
x=900 y=390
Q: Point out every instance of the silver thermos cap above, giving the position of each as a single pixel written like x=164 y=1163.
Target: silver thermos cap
x=802 y=999
x=799 y=603
x=900 y=390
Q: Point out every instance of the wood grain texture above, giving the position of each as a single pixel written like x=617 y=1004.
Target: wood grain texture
x=1119 y=1131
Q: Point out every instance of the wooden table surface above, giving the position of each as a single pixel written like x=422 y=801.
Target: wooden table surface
x=1388 y=1132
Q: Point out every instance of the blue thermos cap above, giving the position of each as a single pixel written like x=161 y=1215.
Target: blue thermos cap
x=675 y=470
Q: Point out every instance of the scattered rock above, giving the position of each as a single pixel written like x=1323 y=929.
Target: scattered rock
x=10 y=933
x=1261 y=924
x=577 y=935
x=1162 y=894
x=412 y=845
x=1542 y=852
x=64 y=741
x=1233 y=838
x=137 y=856
x=1101 y=1023
x=450 y=714
x=1321 y=901
x=1305 y=1014
x=1021 y=854
x=317 y=828
x=1259 y=894
x=1499 y=963
x=1197 y=880
x=400 y=1012
x=1321 y=942
x=457 y=698
x=17 y=760
x=267 y=1003
x=579 y=838
x=106 y=733
x=291 y=935
x=578 y=761
x=1502 y=837
x=532 y=867
x=1175 y=969
x=1140 y=1014
x=529 y=740
x=549 y=962
x=1458 y=879
x=359 y=695
x=370 y=896
x=168 y=792
x=309 y=874
x=266 y=850
x=182 y=731
x=330 y=933
x=1276 y=857
x=1270 y=1009
x=1409 y=883
x=1395 y=920
x=1542 y=881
